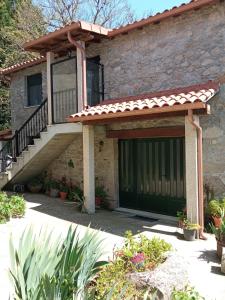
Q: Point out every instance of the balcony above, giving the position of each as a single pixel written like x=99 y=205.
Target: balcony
x=64 y=87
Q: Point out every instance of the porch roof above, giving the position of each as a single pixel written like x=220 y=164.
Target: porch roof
x=57 y=40
x=176 y=101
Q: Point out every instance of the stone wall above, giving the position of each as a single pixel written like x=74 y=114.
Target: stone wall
x=214 y=145
x=105 y=166
x=177 y=52
x=19 y=110
x=106 y=155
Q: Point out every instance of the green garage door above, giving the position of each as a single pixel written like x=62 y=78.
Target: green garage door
x=152 y=175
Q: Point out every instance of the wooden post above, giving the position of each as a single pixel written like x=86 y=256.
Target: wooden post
x=191 y=155
x=50 y=58
x=81 y=78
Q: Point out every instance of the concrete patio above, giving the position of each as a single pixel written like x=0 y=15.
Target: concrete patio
x=204 y=269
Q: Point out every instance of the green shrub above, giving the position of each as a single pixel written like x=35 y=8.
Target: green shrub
x=5 y=210
x=216 y=208
x=138 y=254
x=17 y=206
x=189 y=293
x=142 y=253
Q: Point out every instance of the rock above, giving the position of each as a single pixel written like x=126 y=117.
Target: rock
x=169 y=275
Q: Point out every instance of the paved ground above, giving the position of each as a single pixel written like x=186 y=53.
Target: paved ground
x=204 y=270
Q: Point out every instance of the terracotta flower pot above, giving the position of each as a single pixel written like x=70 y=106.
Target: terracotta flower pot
x=63 y=195
x=217 y=221
x=98 y=201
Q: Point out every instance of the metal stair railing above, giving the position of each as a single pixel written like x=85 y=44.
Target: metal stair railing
x=24 y=136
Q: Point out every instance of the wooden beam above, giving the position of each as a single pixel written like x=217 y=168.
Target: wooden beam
x=172 y=131
x=136 y=118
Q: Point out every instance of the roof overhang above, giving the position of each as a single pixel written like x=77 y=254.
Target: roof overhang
x=162 y=112
x=175 y=102
x=57 y=41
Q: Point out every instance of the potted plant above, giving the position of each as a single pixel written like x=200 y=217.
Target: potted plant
x=220 y=237
x=75 y=196
x=77 y=199
x=190 y=230
x=216 y=210
x=35 y=185
x=63 y=192
x=100 y=196
x=53 y=188
x=181 y=215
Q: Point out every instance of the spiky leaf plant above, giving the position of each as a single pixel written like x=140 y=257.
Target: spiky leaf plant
x=44 y=266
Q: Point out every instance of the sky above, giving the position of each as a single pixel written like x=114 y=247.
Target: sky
x=153 y=6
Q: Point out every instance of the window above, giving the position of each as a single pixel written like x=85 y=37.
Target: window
x=94 y=81
x=34 y=89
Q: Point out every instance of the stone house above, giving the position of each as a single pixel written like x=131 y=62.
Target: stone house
x=139 y=109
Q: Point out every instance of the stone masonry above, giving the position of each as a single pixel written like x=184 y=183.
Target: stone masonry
x=180 y=51
x=19 y=110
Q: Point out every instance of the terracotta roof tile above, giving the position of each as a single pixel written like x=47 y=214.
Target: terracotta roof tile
x=170 y=98
x=175 y=11
x=23 y=65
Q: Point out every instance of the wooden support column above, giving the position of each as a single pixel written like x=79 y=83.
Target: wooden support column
x=50 y=58
x=89 y=168
x=81 y=78
x=191 y=158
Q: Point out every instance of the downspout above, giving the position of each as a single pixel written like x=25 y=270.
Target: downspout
x=83 y=67
x=200 y=174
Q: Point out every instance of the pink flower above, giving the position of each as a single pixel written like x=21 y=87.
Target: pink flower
x=137 y=259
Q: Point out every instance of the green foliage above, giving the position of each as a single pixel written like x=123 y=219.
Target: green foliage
x=138 y=254
x=181 y=215
x=47 y=266
x=190 y=226
x=189 y=293
x=5 y=208
x=52 y=184
x=17 y=206
x=75 y=194
x=70 y=164
x=13 y=206
x=216 y=208
x=219 y=232
x=20 y=21
x=5 y=116
x=153 y=250
x=101 y=193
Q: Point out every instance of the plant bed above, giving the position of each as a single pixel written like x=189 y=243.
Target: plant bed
x=138 y=256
